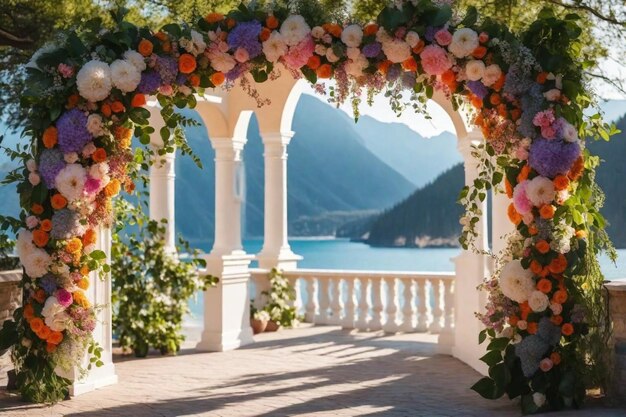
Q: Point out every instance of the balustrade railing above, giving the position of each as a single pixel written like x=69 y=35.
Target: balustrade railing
x=370 y=300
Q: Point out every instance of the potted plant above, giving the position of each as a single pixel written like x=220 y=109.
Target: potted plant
x=280 y=298
x=258 y=320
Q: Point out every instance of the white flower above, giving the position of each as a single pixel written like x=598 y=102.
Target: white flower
x=552 y=95
x=397 y=50
x=60 y=269
x=95 y=125
x=136 y=59
x=516 y=339
x=355 y=67
x=24 y=244
x=474 y=70
x=382 y=36
x=94 y=80
x=320 y=49
x=492 y=74
x=464 y=41
x=539 y=399
x=538 y=301
x=294 y=29
x=412 y=38
x=71 y=181
x=34 y=179
x=317 y=32
x=99 y=170
x=570 y=134
x=31 y=165
x=36 y=263
x=330 y=55
x=516 y=282
x=198 y=42
x=352 y=36
x=540 y=191
x=58 y=322
x=70 y=157
x=222 y=62
x=274 y=47
x=51 y=307
x=125 y=75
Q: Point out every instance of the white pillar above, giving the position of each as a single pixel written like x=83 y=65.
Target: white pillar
x=500 y=223
x=99 y=293
x=471 y=268
x=227 y=305
x=276 y=252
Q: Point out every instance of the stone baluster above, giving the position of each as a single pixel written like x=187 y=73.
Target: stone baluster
x=309 y=315
x=407 y=308
x=448 y=306
x=422 y=307
x=363 y=306
x=435 y=325
x=349 y=307
x=336 y=304
x=322 y=301
x=377 y=305
x=391 y=310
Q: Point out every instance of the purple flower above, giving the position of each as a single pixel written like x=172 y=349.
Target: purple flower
x=372 y=50
x=236 y=72
x=552 y=157
x=429 y=35
x=167 y=68
x=48 y=283
x=64 y=297
x=72 y=131
x=532 y=103
x=181 y=79
x=548 y=331
x=393 y=73
x=477 y=88
x=408 y=79
x=530 y=351
x=51 y=162
x=65 y=224
x=246 y=35
x=150 y=81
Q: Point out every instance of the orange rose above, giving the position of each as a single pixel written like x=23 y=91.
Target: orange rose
x=561 y=182
x=50 y=137
x=558 y=264
x=567 y=329
x=84 y=270
x=383 y=66
x=117 y=106
x=409 y=64
x=50 y=347
x=100 y=155
x=90 y=237
x=536 y=267
x=332 y=28
x=72 y=101
x=419 y=47
x=513 y=320
x=36 y=324
x=524 y=310
x=514 y=216
x=40 y=296
x=542 y=77
x=314 y=62
x=547 y=211
x=370 y=29
x=230 y=23
x=448 y=77
x=532 y=229
x=29 y=312
x=40 y=238
x=555 y=358
x=217 y=78
x=44 y=333
x=516 y=114
x=500 y=83
x=81 y=299
x=194 y=80
x=113 y=188
x=106 y=110
x=523 y=174
x=324 y=71
x=46 y=225
x=55 y=337
x=186 y=63
x=162 y=36
x=532 y=327
x=139 y=100
x=271 y=22
x=581 y=234
x=145 y=47
x=214 y=17
x=73 y=245
x=544 y=285
x=542 y=246
x=494 y=99
x=477 y=102
x=576 y=171
x=265 y=34
x=36 y=209
x=557 y=320
x=58 y=201
x=560 y=296
x=479 y=52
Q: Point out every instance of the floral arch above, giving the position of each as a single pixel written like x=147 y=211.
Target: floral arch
x=86 y=97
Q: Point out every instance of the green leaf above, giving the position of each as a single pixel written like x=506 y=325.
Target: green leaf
x=482 y=336
x=98 y=255
x=487 y=388
x=492 y=358
x=309 y=74
x=471 y=16
x=499 y=343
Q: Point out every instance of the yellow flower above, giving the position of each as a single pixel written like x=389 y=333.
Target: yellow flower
x=83 y=284
x=81 y=299
x=73 y=245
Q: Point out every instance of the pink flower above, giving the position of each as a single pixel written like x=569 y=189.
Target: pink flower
x=166 y=90
x=443 y=37
x=64 y=297
x=483 y=37
x=88 y=150
x=521 y=153
x=66 y=70
x=546 y=364
x=241 y=55
x=435 y=60
x=32 y=222
x=299 y=54
x=521 y=201
x=400 y=32
x=34 y=179
x=92 y=185
x=544 y=118
x=76 y=276
x=548 y=132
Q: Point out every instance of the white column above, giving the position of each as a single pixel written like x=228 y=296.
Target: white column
x=227 y=305
x=99 y=293
x=276 y=252
x=471 y=268
x=500 y=223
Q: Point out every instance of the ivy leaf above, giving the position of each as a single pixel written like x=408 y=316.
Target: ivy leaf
x=492 y=358
x=487 y=388
x=98 y=255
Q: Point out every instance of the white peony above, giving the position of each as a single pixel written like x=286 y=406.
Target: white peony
x=51 y=307
x=222 y=62
x=320 y=49
x=94 y=80
x=274 y=47
x=412 y=38
x=24 y=244
x=198 y=42
x=516 y=282
x=553 y=94
x=492 y=74
x=540 y=191
x=464 y=41
x=538 y=301
x=71 y=181
x=95 y=125
x=125 y=75
x=136 y=59
x=36 y=263
x=352 y=36
x=58 y=322
x=397 y=50
x=294 y=29
x=474 y=70
x=355 y=67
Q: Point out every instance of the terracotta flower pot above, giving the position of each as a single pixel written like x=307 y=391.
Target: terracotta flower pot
x=272 y=326
x=258 y=326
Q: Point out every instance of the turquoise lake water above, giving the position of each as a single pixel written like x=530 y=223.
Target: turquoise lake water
x=343 y=254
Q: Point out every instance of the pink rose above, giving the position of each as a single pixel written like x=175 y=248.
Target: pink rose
x=483 y=37
x=88 y=150
x=548 y=132
x=521 y=201
x=65 y=70
x=443 y=37
x=64 y=297
x=435 y=60
x=34 y=179
x=241 y=55
x=299 y=54
x=546 y=364
x=166 y=90
x=32 y=222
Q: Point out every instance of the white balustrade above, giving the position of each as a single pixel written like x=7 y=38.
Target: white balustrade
x=371 y=300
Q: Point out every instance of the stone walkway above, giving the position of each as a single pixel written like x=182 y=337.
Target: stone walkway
x=316 y=371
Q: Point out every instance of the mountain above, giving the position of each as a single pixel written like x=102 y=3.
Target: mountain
x=419 y=159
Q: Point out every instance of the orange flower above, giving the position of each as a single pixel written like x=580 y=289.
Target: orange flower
x=73 y=245
x=536 y=267
x=500 y=83
x=145 y=47
x=113 y=188
x=513 y=320
x=55 y=337
x=90 y=237
x=194 y=80
x=40 y=238
x=555 y=358
x=567 y=329
x=83 y=283
x=138 y=100
x=271 y=22
x=81 y=299
x=419 y=47
x=333 y=28
x=230 y=23
x=44 y=333
x=36 y=209
x=100 y=155
x=106 y=110
x=314 y=62
x=558 y=264
x=581 y=234
x=36 y=324
x=495 y=99
x=532 y=327
x=50 y=137
x=544 y=285
x=542 y=246
x=324 y=71
x=84 y=270
x=542 y=77
x=532 y=229
x=186 y=63
x=217 y=78
x=477 y=102
x=29 y=312
x=383 y=66
x=214 y=17
x=576 y=171
x=117 y=106
x=50 y=347
x=523 y=174
x=547 y=211
x=560 y=296
x=409 y=64
x=129 y=186
x=39 y=296
x=561 y=182
x=72 y=101
x=58 y=201
x=557 y=320
x=265 y=34
x=514 y=216
x=479 y=52
x=370 y=29
x=448 y=77
x=508 y=188
x=516 y=114
x=524 y=310
x=123 y=136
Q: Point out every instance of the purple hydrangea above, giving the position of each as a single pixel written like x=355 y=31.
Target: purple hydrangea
x=372 y=50
x=393 y=73
x=65 y=224
x=517 y=81
x=531 y=103
x=51 y=162
x=550 y=333
x=408 y=79
x=167 y=68
x=477 y=88
x=530 y=351
x=246 y=35
x=552 y=157
x=181 y=79
x=48 y=283
x=150 y=82
x=72 y=131
x=236 y=72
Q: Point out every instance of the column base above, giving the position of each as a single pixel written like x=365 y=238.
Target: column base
x=223 y=341
x=98 y=378
x=284 y=259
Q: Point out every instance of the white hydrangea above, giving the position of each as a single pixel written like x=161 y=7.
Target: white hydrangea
x=538 y=301
x=136 y=59
x=125 y=75
x=397 y=50
x=95 y=125
x=274 y=47
x=294 y=29
x=516 y=282
x=492 y=74
x=464 y=41
x=352 y=36
x=94 y=80
x=540 y=191
x=70 y=182
x=562 y=237
x=474 y=70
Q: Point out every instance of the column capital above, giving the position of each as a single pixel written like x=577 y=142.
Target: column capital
x=464 y=144
x=277 y=138
x=228 y=148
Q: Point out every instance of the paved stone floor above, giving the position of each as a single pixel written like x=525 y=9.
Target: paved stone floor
x=318 y=371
